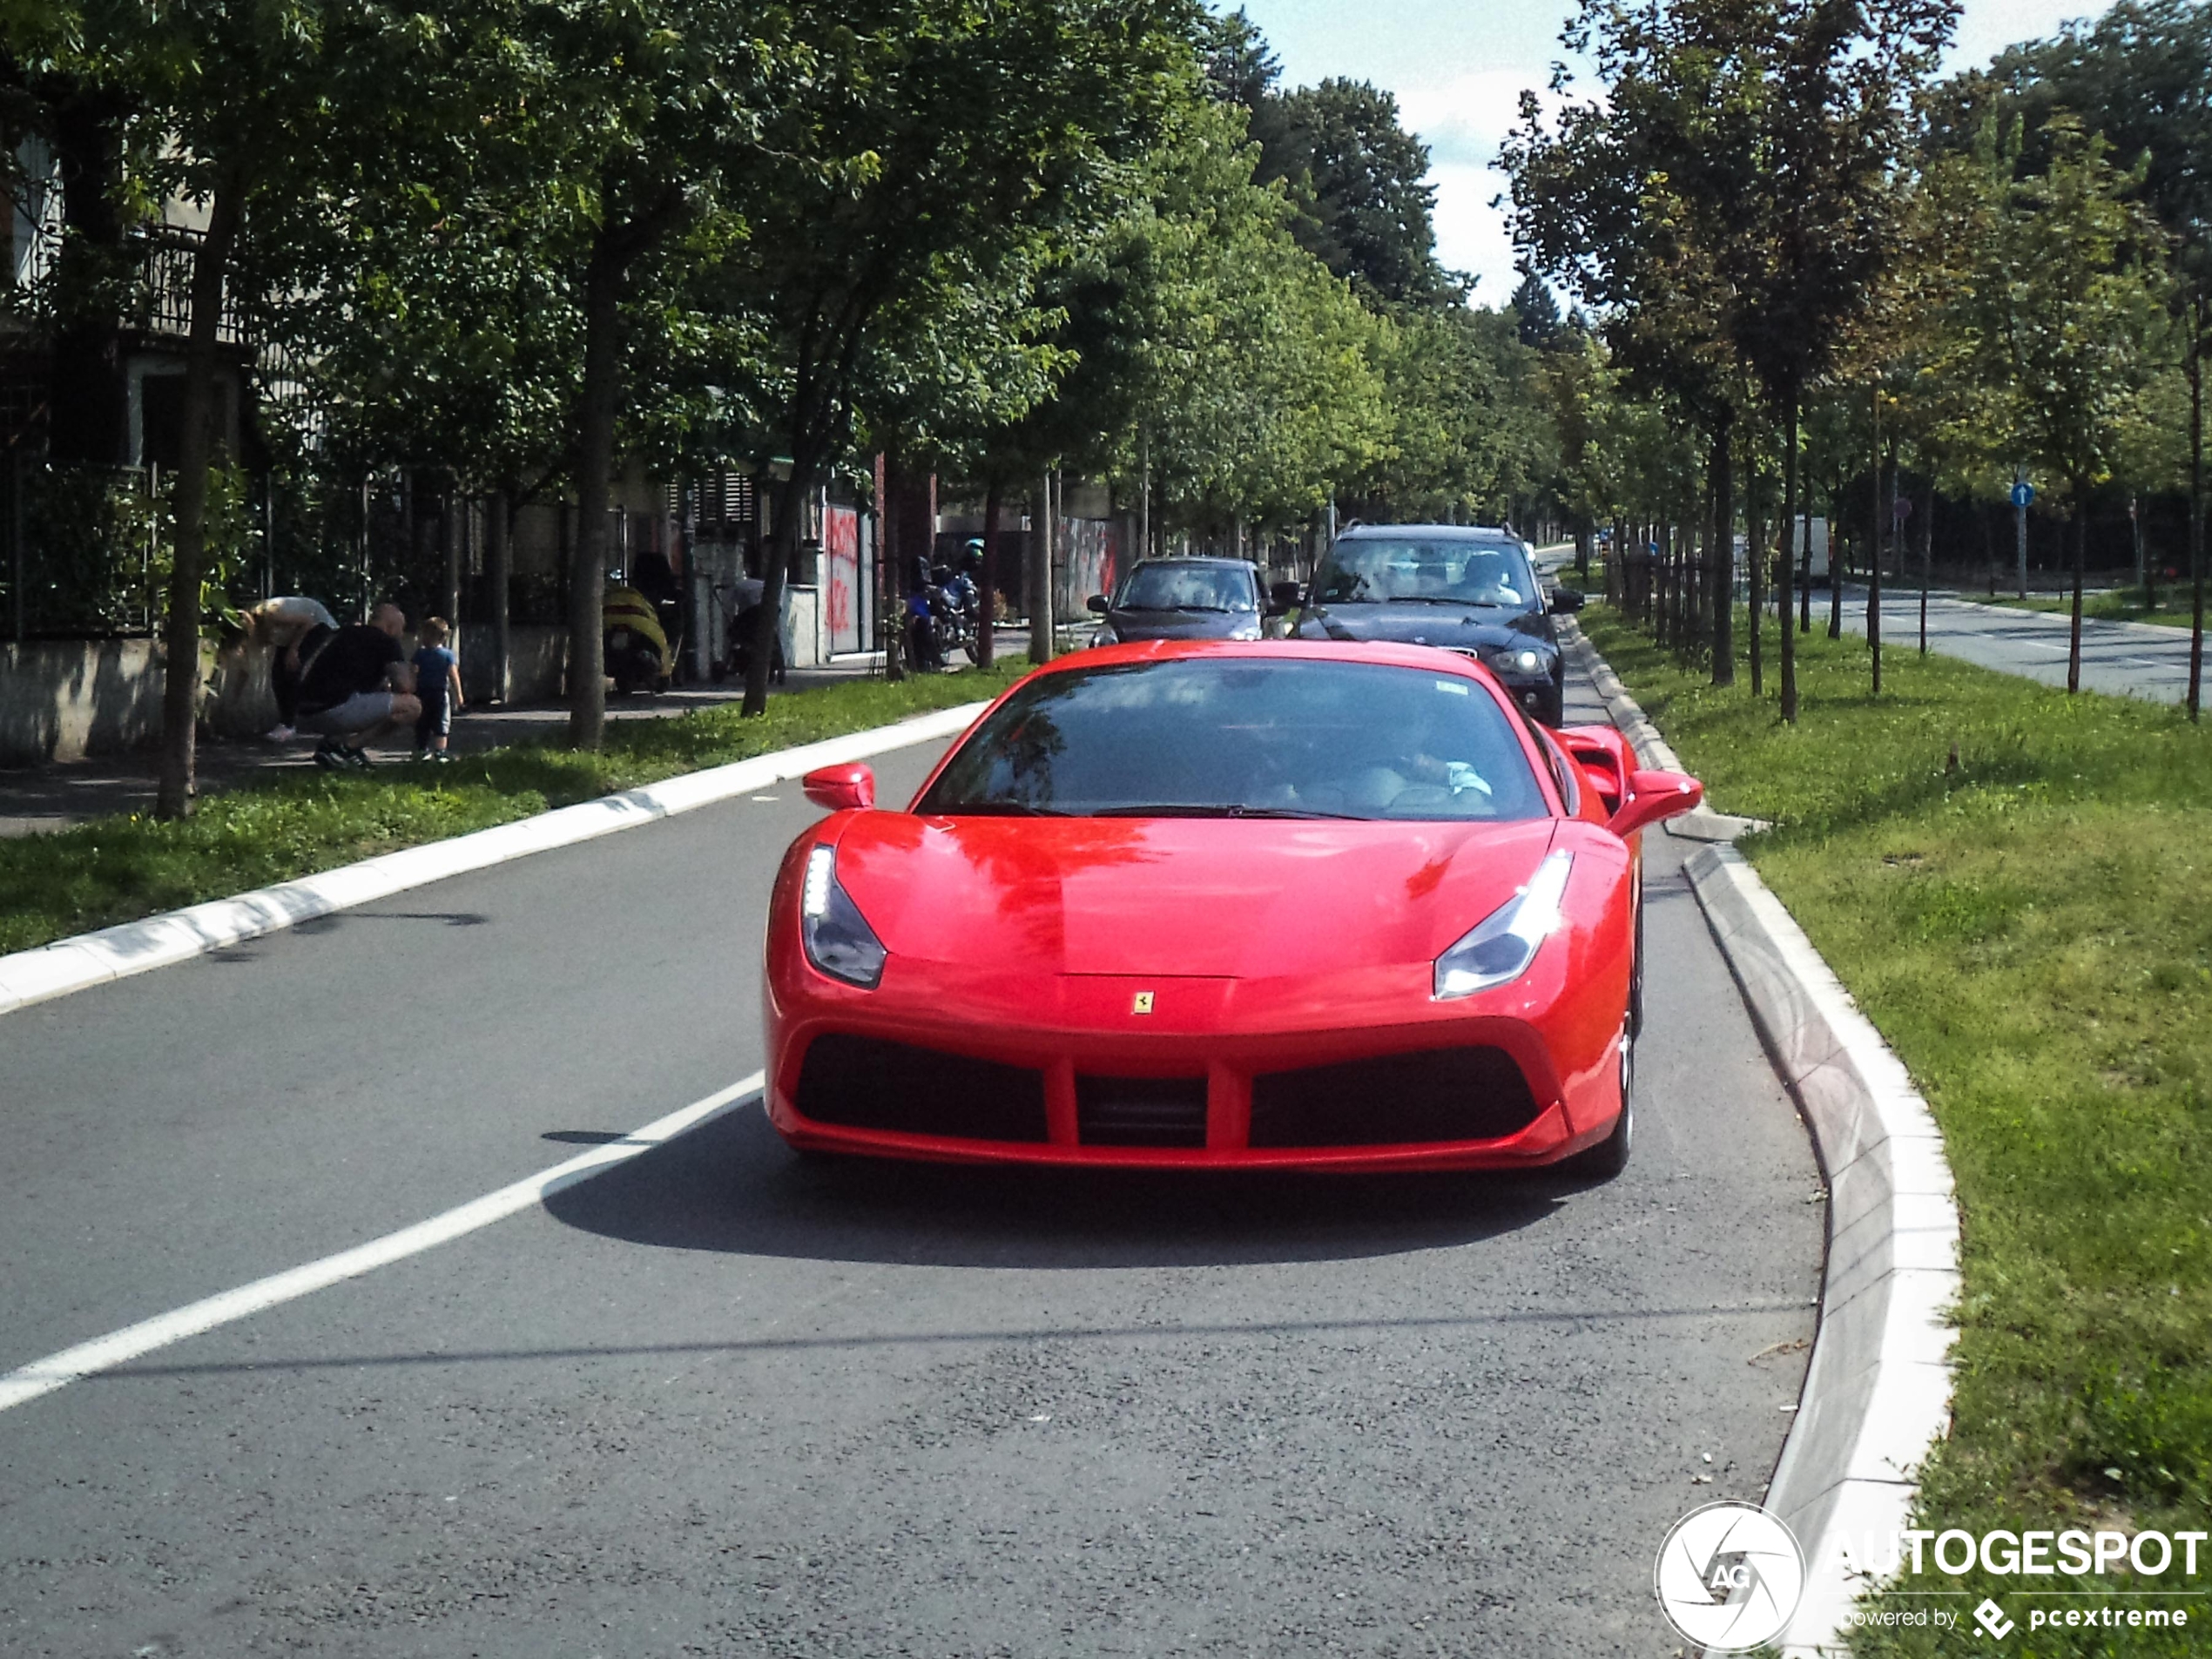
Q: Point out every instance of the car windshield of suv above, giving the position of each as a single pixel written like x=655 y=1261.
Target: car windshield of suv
x=1188 y=587
x=1229 y=738
x=1446 y=571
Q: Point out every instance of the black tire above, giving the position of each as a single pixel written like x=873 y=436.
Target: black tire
x=1610 y=1156
x=1635 y=970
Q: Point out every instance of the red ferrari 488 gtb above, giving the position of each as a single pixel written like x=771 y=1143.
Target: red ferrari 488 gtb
x=1282 y=904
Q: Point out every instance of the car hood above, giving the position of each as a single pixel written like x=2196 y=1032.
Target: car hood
x=1470 y=627
x=1179 y=624
x=1232 y=897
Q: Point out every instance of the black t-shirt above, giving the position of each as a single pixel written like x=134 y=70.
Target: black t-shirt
x=352 y=662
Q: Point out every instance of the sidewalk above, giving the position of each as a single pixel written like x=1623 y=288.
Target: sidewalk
x=62 y=795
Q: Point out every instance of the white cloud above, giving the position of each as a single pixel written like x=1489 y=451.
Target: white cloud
x=1463 y=120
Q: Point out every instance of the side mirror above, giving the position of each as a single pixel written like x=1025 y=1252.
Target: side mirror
x=1654 y=796
x=1566 y=599
x=838 y=789
x=1599 y=750
x=1095 y=603
x=1281 y=598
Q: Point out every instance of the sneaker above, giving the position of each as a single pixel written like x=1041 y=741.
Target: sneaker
x=439 y=756
x=357 y=759
x=331 y=758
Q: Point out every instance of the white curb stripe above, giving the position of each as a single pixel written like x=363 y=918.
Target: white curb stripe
x=1877 y=1389
x=75 y=964
x=104 y=1354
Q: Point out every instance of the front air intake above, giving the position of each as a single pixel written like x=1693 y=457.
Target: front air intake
x=1393 y=1100
x=866 y=1083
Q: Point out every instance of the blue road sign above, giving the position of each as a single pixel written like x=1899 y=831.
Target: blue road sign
x=2023 y=493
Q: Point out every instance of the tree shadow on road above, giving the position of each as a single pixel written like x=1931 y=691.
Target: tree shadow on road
x=731 y=1185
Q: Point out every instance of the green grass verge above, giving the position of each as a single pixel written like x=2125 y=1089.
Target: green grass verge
x=2119 y=604
x=120 y=869
x=2017 y=888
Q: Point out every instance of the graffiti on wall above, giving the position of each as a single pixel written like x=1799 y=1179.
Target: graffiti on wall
x=841 y=554
x=1089 y=561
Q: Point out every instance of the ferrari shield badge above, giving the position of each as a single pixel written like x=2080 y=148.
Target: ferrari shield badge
x=1142 y=1003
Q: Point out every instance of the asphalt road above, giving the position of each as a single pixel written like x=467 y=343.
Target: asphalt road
x=2121 y=658
x=715 y=1402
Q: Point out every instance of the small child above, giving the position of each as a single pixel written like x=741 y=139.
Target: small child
x=437 y=682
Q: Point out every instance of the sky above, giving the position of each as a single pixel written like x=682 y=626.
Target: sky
x=1458 y=69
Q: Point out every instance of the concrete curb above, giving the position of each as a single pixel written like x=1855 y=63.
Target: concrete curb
x=1878 y=1390
x=75 y=964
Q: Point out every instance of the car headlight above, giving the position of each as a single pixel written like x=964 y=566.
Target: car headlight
x=1517 y=662
x=1244 y=630
x=1500 y=947
x=839 y=939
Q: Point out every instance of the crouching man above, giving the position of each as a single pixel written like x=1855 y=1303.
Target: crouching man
x=358 y=690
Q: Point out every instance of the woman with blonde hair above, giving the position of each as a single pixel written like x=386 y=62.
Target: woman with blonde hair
x=295 y=628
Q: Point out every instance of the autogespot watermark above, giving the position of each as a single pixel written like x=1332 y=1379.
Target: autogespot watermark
x=1729 y=1577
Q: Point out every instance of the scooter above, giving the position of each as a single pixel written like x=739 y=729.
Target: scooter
x=638 y=657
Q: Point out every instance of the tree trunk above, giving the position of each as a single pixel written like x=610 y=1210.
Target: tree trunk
x=1036 y=576
x=1755 y=559
x=1788 y=664
x=2196 y=503
x=987 y=597
x=1927 y=554
x=2081 y=555
x=499 y=512
x=783 y=549
x=595 y=466
x=453 y=523
x=1723 y=582
x=891 y=610
x=196 y=454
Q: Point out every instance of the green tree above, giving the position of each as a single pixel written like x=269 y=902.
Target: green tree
x=2142 y=76
x=2065 y=292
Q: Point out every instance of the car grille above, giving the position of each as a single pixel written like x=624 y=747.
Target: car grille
x=1436 y=1095
x=1141 y=1112
x=864 y=1082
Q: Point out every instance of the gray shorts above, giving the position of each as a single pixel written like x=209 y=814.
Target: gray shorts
x=357 y=713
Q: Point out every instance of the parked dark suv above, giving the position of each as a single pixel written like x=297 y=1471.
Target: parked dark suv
x=1466 y=588
x=1184 y=599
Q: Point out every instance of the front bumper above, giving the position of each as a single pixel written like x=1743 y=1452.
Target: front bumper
x=1483 y=1091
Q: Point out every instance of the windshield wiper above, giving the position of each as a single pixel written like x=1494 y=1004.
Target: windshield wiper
x=1224 y=610
x=1220 y=809
x=998 y=809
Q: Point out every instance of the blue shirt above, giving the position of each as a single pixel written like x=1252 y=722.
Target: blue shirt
x=433 y=667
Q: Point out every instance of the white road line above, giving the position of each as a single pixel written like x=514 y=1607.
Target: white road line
x=104 y=1354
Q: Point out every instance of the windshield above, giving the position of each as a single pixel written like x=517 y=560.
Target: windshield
x=1188 y=587
x=1288 y=737
x=1453 y=571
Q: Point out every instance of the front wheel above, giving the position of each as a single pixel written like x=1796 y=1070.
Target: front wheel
x=1610 y=1156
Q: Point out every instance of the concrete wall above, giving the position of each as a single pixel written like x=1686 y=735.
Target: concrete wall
x=65 y=699
x=538 y=663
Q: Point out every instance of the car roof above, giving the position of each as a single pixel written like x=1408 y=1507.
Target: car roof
x=1389 y=653
x=1435 y=659
x=1433 y=532
x=1194 y=559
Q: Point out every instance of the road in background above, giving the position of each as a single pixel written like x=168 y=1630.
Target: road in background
x=2121 y=658
x=723 y=1401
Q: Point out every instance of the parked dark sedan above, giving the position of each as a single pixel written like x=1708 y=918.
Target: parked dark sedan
x=1466 y=587
x=1184 y=599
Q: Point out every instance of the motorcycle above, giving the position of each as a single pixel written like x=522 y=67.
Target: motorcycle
x=924 y=642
